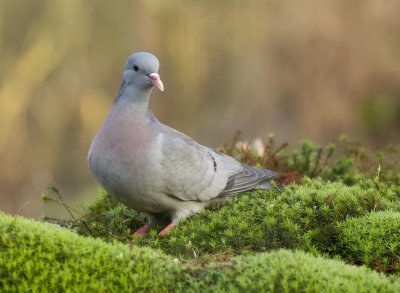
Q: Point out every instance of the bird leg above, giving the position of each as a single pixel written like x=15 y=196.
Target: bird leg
x=143 y=230
x=166 y=230
x=152 y=219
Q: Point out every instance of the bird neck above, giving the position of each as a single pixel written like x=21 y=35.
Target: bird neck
x=134 y=99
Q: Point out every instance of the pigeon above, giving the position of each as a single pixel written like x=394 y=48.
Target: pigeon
x=155 y=169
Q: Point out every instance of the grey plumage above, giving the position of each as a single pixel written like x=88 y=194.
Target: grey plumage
x=247 y=179
x=156 y=169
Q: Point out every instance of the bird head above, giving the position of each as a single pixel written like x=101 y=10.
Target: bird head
x=141 y=70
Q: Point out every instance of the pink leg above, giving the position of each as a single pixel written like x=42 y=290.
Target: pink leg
x=142 y=231
x=167 y=229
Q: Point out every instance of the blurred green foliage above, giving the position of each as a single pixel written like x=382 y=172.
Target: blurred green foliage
x=344 y=160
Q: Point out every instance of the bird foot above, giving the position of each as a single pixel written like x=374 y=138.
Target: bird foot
x=166 y=230
x=142 y=231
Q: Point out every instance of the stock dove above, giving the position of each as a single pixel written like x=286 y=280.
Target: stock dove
x=158 y=170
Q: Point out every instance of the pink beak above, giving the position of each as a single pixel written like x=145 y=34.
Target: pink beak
x=155 y=79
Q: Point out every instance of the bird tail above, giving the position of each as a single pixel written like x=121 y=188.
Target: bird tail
x=249 y=178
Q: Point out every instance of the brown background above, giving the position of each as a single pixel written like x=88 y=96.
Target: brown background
x=300 y=69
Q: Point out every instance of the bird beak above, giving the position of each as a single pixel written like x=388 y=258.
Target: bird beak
x=155 y=79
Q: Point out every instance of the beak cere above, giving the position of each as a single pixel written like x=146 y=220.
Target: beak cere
x=155 y=79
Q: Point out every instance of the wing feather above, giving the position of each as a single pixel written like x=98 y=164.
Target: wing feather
x=249 y=178
x=191 y=171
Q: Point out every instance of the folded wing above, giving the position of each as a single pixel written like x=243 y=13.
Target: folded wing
x=194 y=172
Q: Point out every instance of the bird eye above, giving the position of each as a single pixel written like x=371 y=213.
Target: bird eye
x=135 y=68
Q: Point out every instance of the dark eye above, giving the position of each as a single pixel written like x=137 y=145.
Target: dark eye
x=135 y=68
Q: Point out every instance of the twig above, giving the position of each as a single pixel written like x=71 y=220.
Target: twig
x=55 y=190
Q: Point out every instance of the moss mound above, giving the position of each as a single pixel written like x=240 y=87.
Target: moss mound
x=373 y=240
x=287 y=271
x=42 y=257
x=36 y=256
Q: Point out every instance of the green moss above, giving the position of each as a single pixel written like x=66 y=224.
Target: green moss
x=36 y=256
x=373 y=240
x=287 y=271
x=39 y=257
x=298 y=216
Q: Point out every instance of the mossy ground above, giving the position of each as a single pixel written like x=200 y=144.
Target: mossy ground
x=343 y=205
x=40 y=257
x=297 y=216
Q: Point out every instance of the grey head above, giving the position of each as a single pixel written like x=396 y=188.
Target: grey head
x=141 y=72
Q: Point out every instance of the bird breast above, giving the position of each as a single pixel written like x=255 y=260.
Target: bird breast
x=122 y=156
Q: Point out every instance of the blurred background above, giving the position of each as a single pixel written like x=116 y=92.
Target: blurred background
x=300 y=69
